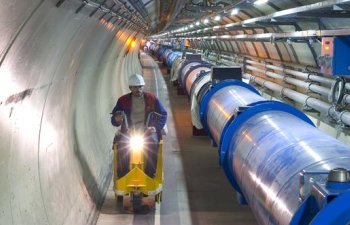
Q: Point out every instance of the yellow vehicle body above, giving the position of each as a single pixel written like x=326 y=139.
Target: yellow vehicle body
x=136 y=180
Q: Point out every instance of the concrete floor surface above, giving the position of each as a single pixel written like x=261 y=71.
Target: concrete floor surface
x=195 y=189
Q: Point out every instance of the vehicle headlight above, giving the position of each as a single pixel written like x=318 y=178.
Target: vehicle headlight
x=136 y=142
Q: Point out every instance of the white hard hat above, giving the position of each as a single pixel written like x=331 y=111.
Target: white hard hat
x=136 y=80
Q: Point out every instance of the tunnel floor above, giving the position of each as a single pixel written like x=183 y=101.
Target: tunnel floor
x=195 y=189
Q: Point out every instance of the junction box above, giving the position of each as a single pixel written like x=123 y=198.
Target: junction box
x=334 y=59
x=219 y=73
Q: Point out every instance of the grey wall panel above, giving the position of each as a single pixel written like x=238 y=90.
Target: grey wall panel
x=55 y=97
x=14 y=15
x=304 y=54
x=260 y=49
x=287 y=50
x=235 y=46
x=272 y=49
x=250 y=48
x=286 y=57
x=242 y=47
x=335 y=23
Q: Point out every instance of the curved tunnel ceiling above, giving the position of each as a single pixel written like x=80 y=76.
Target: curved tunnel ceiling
x=286 y=31
x=146 y=16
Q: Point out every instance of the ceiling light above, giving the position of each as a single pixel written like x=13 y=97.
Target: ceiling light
x=217 y=18
x=260 y=2
x=197 y=23
x=191 y=25
x=234 y=12
x=206 y=21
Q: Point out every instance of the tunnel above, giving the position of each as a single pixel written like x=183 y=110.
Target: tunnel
x=269 y=145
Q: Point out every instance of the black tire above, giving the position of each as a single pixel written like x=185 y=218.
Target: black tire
x=158 y=197
x=137 y=202
x=120 y=200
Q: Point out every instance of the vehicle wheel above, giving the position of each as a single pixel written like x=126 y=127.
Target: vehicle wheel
x=120 y=200
x=137 y=202
x=158 y=197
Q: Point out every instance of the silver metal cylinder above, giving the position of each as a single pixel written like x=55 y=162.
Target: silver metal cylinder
x=339 y=175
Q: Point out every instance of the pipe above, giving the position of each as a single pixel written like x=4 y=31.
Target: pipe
x=222 y=102
x=305 y=76
x=198 y=88
x=306 y=85
x=192 y=75
x=266 y=154
x=186 y=66
x=314 y=103
x=172 y=57
x=267 y=148
x=264 y=147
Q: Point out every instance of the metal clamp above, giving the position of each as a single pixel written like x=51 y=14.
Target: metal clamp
x=335 y=96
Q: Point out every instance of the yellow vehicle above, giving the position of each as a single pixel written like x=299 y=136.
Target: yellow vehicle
x=136 y=184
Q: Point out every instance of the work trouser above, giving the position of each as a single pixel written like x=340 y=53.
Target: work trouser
x=150 y=153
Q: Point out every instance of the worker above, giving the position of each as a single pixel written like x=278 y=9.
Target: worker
x=138 y=107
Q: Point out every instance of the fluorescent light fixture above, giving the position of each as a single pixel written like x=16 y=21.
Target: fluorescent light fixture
x=191 y=25
x=217 y=18
x=260 y=2
x=197 y=23
x=234 y=12
x=206 y=21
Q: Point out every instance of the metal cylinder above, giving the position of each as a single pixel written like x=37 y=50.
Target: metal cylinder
x=266 y=154
x=192 y=76
x=175 y=68
x=199 y=84
x=172 y=57
x=186 y=66
x=223 y=102
x=264 y=145
x=339 y=175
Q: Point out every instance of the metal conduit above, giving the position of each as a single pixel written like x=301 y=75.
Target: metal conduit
x=306 y=85
x=305 y=76
x=314 y=103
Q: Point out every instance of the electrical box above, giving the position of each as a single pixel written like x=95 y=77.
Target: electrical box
x=219 y=73
x=335 y=53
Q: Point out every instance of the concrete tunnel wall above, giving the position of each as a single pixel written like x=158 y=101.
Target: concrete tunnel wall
x=60 y=75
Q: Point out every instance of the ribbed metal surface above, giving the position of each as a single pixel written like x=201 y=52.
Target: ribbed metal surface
x=225 y=103
x=269 y=150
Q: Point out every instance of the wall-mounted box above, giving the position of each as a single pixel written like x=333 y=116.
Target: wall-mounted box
x=335 y=54
x=219 y=73
x=193 y=56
